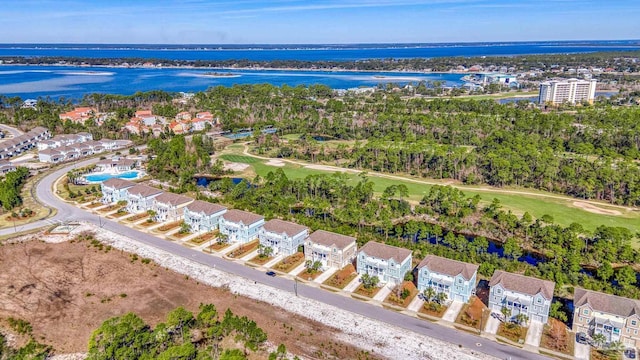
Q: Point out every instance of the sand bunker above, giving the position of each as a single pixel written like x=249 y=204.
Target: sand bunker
x=325 y=168
x=594 y=209
x=274 y=162
x=236 y=166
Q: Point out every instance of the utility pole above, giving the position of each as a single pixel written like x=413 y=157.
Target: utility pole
x=295 y=285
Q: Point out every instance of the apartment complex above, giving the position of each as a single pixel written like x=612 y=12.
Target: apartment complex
x=615 y=317
x=567 y=91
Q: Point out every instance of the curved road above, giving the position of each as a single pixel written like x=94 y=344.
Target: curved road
x=68 y=212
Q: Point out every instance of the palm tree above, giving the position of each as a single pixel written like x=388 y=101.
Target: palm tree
x=599 y=340
x=429 y=293
x=441 y=298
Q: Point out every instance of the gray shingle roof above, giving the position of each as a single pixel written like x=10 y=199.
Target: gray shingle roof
x=239 y=216
x=606 y=303
x=280 y=226
x=329 y=239
x=523 y=284
x=118 y=184
x=172 y=199
x=448 y=267
x=386 y=252
x=205 y=207
x=144 y=190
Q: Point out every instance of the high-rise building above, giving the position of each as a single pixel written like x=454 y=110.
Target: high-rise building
x=567 y=91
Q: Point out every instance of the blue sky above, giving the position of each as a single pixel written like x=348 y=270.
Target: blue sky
x=314 y=21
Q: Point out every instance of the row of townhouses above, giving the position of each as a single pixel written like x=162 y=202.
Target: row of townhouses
x=595 y=313
x=5 y=167
x=24 y=142
x=61 y=149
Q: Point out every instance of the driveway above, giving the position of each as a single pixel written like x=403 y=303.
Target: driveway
x=452 y=311
x=581 y=351
x=492 y=325
x=534 y=334
x=416 y=304
x=383 y=293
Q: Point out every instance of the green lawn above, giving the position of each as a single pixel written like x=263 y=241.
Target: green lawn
x=561 y=209
x=240 y=158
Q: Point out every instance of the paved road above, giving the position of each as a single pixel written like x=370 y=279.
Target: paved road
x=8 y=129
x=455 y=337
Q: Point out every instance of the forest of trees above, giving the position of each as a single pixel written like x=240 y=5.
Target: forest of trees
x=177 y=160
x=590 y=152
x=183 y=336
x=11 y=187
x=447 y=223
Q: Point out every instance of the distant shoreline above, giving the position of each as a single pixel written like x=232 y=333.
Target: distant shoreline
x=231 y=68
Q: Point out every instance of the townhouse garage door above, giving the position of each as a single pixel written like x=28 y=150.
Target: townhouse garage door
x=537 y=318
x=459 y=297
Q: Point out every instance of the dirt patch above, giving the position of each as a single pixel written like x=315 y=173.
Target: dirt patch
x=594 y=209
x=274 y=162
x=67 y=290
x=557 y=337
x=472 y=314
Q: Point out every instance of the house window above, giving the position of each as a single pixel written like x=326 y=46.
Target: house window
x=539 y=300
x=498 y=291
x=634 y=323
x=585 y=312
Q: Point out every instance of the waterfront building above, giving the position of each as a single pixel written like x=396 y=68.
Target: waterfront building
x=567 y=91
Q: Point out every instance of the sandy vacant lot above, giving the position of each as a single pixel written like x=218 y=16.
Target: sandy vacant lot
x=66 y=290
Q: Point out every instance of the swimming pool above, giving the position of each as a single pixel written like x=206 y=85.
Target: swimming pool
x=100 y=177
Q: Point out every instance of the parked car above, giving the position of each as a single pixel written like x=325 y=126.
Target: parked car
x=498 y=316
x=581 y=338
x=271 y=273
x=630 y=353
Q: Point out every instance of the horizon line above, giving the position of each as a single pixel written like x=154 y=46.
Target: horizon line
x=326 y=44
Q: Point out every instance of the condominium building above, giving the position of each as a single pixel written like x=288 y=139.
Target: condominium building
x=567 y=91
